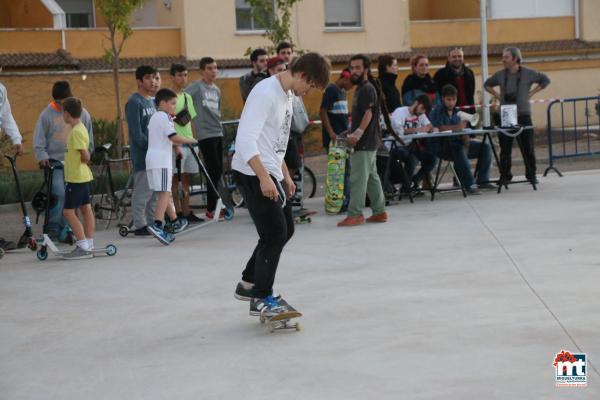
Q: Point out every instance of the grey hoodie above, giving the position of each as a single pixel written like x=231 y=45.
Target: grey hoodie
x=51 y=133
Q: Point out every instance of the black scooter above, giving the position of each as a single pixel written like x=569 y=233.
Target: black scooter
x=27 y=239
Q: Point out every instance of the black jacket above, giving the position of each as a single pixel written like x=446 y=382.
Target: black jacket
x=447 y=76
x=414 y=86
x=390 y=91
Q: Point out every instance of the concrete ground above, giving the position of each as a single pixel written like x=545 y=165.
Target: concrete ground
x=455 y=299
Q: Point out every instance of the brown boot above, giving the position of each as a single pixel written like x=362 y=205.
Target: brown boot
x=378 y=218
x=352 y=221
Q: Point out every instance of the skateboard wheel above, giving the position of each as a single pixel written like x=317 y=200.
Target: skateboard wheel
x=228 y=214
x=298 y=327
x=1 y=252
x=111 y=250
x=123 y=231
x=42 y=254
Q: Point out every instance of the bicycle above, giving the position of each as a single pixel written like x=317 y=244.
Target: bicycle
x=112 y=201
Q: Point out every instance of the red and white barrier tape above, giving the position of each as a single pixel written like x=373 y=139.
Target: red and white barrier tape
x=491 y=104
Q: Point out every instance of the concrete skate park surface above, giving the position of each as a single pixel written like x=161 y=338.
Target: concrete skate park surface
x=455 y=299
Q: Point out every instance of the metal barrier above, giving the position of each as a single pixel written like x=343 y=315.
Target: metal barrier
x=570 y=129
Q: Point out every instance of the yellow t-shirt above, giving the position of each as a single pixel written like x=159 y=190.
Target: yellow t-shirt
x=77 y=171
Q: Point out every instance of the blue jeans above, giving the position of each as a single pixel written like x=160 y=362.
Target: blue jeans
x=454 y=150
x=410 y=155
x=56 y=220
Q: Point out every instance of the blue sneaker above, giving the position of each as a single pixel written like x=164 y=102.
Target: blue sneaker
x=267 y=307
x=180 y=225
x=162 y=236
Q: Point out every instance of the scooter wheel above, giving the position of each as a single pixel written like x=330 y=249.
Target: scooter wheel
x=123 y=231
x=228 y=214
x=111 y=250
x=42 y=254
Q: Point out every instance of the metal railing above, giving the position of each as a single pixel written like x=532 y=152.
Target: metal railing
x=571 y=134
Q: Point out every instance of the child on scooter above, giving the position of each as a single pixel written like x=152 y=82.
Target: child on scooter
x=77 y=178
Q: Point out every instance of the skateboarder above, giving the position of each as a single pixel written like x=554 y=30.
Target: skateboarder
x=263 y=176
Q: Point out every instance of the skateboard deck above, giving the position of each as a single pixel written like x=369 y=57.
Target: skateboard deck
x=334 y=183
x=303 y=216
x=282 y=321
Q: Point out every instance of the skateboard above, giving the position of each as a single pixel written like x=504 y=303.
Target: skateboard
x=303 y=216
x=282 y=321
x=47 y=243
x=334 y=183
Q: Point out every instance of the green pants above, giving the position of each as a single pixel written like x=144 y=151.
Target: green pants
x=365 y=181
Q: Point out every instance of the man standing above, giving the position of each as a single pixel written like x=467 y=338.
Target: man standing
x=260 y=171
x=7 y=122
x=138 y=110
x=457 y=74
x=365 y=137
x=10 y=129
x=258 y=58
x=515 y=83
x=334 y=108
x=184 y=114
x=207 y=102
x=50 y=143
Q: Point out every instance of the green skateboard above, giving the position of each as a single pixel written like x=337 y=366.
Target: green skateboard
x=334 y=183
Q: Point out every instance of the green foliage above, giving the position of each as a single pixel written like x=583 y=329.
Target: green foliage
x=276 y=20
x=117 y=12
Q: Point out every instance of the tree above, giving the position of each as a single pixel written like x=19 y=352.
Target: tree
x=116 y=15
x=277 y=21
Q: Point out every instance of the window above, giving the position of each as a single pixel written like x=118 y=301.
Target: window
x=79 y=13
x=530 y=8
x=343 y=13
x=246 y=21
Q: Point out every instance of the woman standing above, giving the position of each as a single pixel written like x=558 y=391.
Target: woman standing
x=419 y=82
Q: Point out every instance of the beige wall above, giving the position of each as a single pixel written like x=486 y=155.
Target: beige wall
x=383 y=31
x=92 y=43
x=589 y=16
x=24 y=14
x=443 y=9
x=446 y=33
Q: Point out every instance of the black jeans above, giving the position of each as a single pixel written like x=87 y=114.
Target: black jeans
x=275 y=226
x=526 y=143
x=212 y=152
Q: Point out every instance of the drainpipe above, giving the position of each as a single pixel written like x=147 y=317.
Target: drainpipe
x=577 y=20
x=484 y=60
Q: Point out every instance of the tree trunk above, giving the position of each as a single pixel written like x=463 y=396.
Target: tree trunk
x=115 y=71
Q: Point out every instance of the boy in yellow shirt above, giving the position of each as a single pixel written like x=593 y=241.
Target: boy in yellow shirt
x=77 y=178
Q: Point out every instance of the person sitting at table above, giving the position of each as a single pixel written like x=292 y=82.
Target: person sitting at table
x=407 y=121
x=459 y=149
x=419 y=82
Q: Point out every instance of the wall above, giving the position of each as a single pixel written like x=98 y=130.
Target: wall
x=443 y=9
x=143 y=43
x=24 y=14
x=589 y=12
x=91 y=43
x=446 y=33
x=383 y=20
